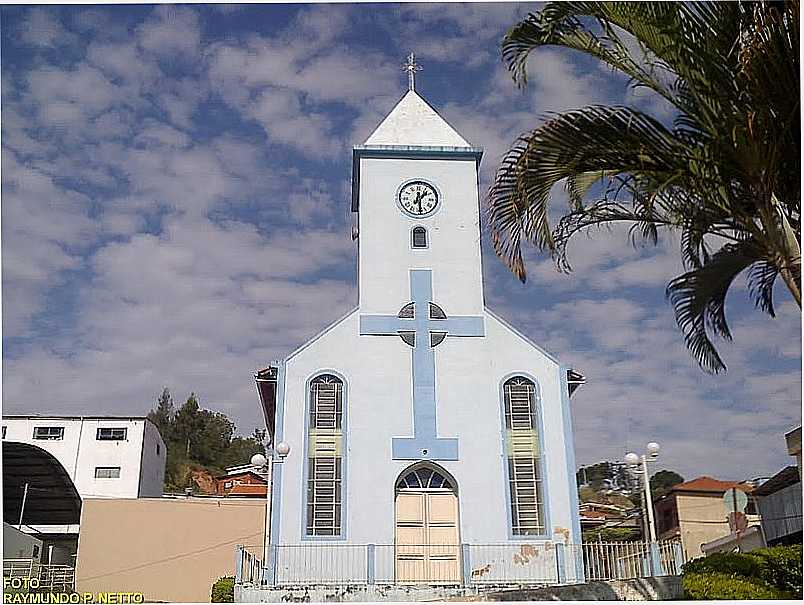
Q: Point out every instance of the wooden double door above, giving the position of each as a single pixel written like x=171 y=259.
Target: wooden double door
x=427 y=542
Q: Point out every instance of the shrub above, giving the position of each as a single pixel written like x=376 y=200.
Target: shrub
x=780 y=566
x=223 y=590
x=728 y=563
x=718 y=586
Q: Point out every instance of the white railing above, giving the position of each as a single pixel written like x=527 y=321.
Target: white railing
x=248 y=568
x=627 y=560
x=528 y=564
x=36 y=576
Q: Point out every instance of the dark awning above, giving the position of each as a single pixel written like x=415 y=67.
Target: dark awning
x=785 y=477
x=52 y=498
x=574 y=380
x=267 y=388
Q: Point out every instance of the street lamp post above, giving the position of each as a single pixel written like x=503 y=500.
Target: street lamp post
x=635 y=461
x=261 y=462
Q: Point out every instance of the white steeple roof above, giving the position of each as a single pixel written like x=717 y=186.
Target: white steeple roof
x=414 y=122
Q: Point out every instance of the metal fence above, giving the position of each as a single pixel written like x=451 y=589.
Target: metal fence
x=529 y=564
x=627 y=560
x=38 y=577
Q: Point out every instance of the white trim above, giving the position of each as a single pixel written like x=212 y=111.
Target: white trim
x=516 y=332
x=320 y=334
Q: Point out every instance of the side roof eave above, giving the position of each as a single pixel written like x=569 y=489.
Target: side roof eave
x=323 y=332
x=519 y=334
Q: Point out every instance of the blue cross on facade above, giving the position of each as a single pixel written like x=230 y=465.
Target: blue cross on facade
x=422 y=325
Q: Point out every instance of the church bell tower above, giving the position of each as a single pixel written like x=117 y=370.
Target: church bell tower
x=415 y=191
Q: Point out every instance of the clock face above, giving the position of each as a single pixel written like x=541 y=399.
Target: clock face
x=418 y=198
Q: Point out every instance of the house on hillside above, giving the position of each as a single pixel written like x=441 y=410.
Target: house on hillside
x=694 y=512
x=597 y=516
x=243 y=481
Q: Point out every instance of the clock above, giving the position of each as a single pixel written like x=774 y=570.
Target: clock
x=418 y=198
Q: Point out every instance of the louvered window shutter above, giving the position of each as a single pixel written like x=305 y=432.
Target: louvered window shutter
x=524 y=457
x=325 y=457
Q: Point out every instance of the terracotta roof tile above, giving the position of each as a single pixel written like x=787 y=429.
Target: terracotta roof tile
x=248 y=490
x=593 y=514
x=708 y=484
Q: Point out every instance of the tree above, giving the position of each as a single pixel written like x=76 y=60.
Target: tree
x=662 y=482
x=187 y=423
x=162 y=414
x=725 y=175
x=240 y=451
x=199 y=440
x=611 y=534
x=214 y=437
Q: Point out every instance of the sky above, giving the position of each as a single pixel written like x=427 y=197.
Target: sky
x=176 y=213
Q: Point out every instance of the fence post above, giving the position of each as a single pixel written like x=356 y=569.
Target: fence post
x=239 y=564
x=678 y=554
x=655 y=560
x=371 y=550
x=274 y=564
x=466 y=566
x=561 y=562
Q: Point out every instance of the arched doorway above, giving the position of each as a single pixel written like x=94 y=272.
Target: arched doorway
x=427 y=534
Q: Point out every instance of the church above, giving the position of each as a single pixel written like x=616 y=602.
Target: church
x=420 y=439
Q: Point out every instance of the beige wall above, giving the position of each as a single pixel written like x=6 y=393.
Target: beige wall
x=702 y=518
x=168 y=549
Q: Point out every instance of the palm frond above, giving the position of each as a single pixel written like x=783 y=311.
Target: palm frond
x=698 y=298
x=761 y=277
x=559 y=24
x=728 y=170
x=577 y=145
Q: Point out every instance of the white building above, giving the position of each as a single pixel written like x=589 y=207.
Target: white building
x=430 y=442
x=105 y=456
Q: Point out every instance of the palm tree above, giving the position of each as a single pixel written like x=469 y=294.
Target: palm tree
x=725 y=175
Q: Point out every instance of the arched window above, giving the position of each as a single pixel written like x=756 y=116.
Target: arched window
x=325 y=456
x=524 y=456
x=419 y=237
x=424 y=477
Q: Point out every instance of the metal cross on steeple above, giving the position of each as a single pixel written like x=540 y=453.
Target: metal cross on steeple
x=411 y=67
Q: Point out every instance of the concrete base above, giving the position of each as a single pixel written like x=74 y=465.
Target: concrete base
x=349 y=594
x=665 y=588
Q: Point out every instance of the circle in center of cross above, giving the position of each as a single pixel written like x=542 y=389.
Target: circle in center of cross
x=434 y=312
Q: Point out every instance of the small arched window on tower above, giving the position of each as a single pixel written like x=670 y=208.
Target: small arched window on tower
x=419 y=237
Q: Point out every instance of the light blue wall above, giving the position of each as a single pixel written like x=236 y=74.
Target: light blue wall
x=469 y=372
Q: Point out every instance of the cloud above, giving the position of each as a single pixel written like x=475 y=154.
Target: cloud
x=43 y=231
x=66 y=96
x=175 y=213
x=170 y=31
x=42 y=29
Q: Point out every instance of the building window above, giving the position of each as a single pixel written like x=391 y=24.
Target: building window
x=157 y=449
x=112 y=434
x=107 y=472
x=48 y=432
x=325 y=456
x=419 y=237
x=524 y=457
